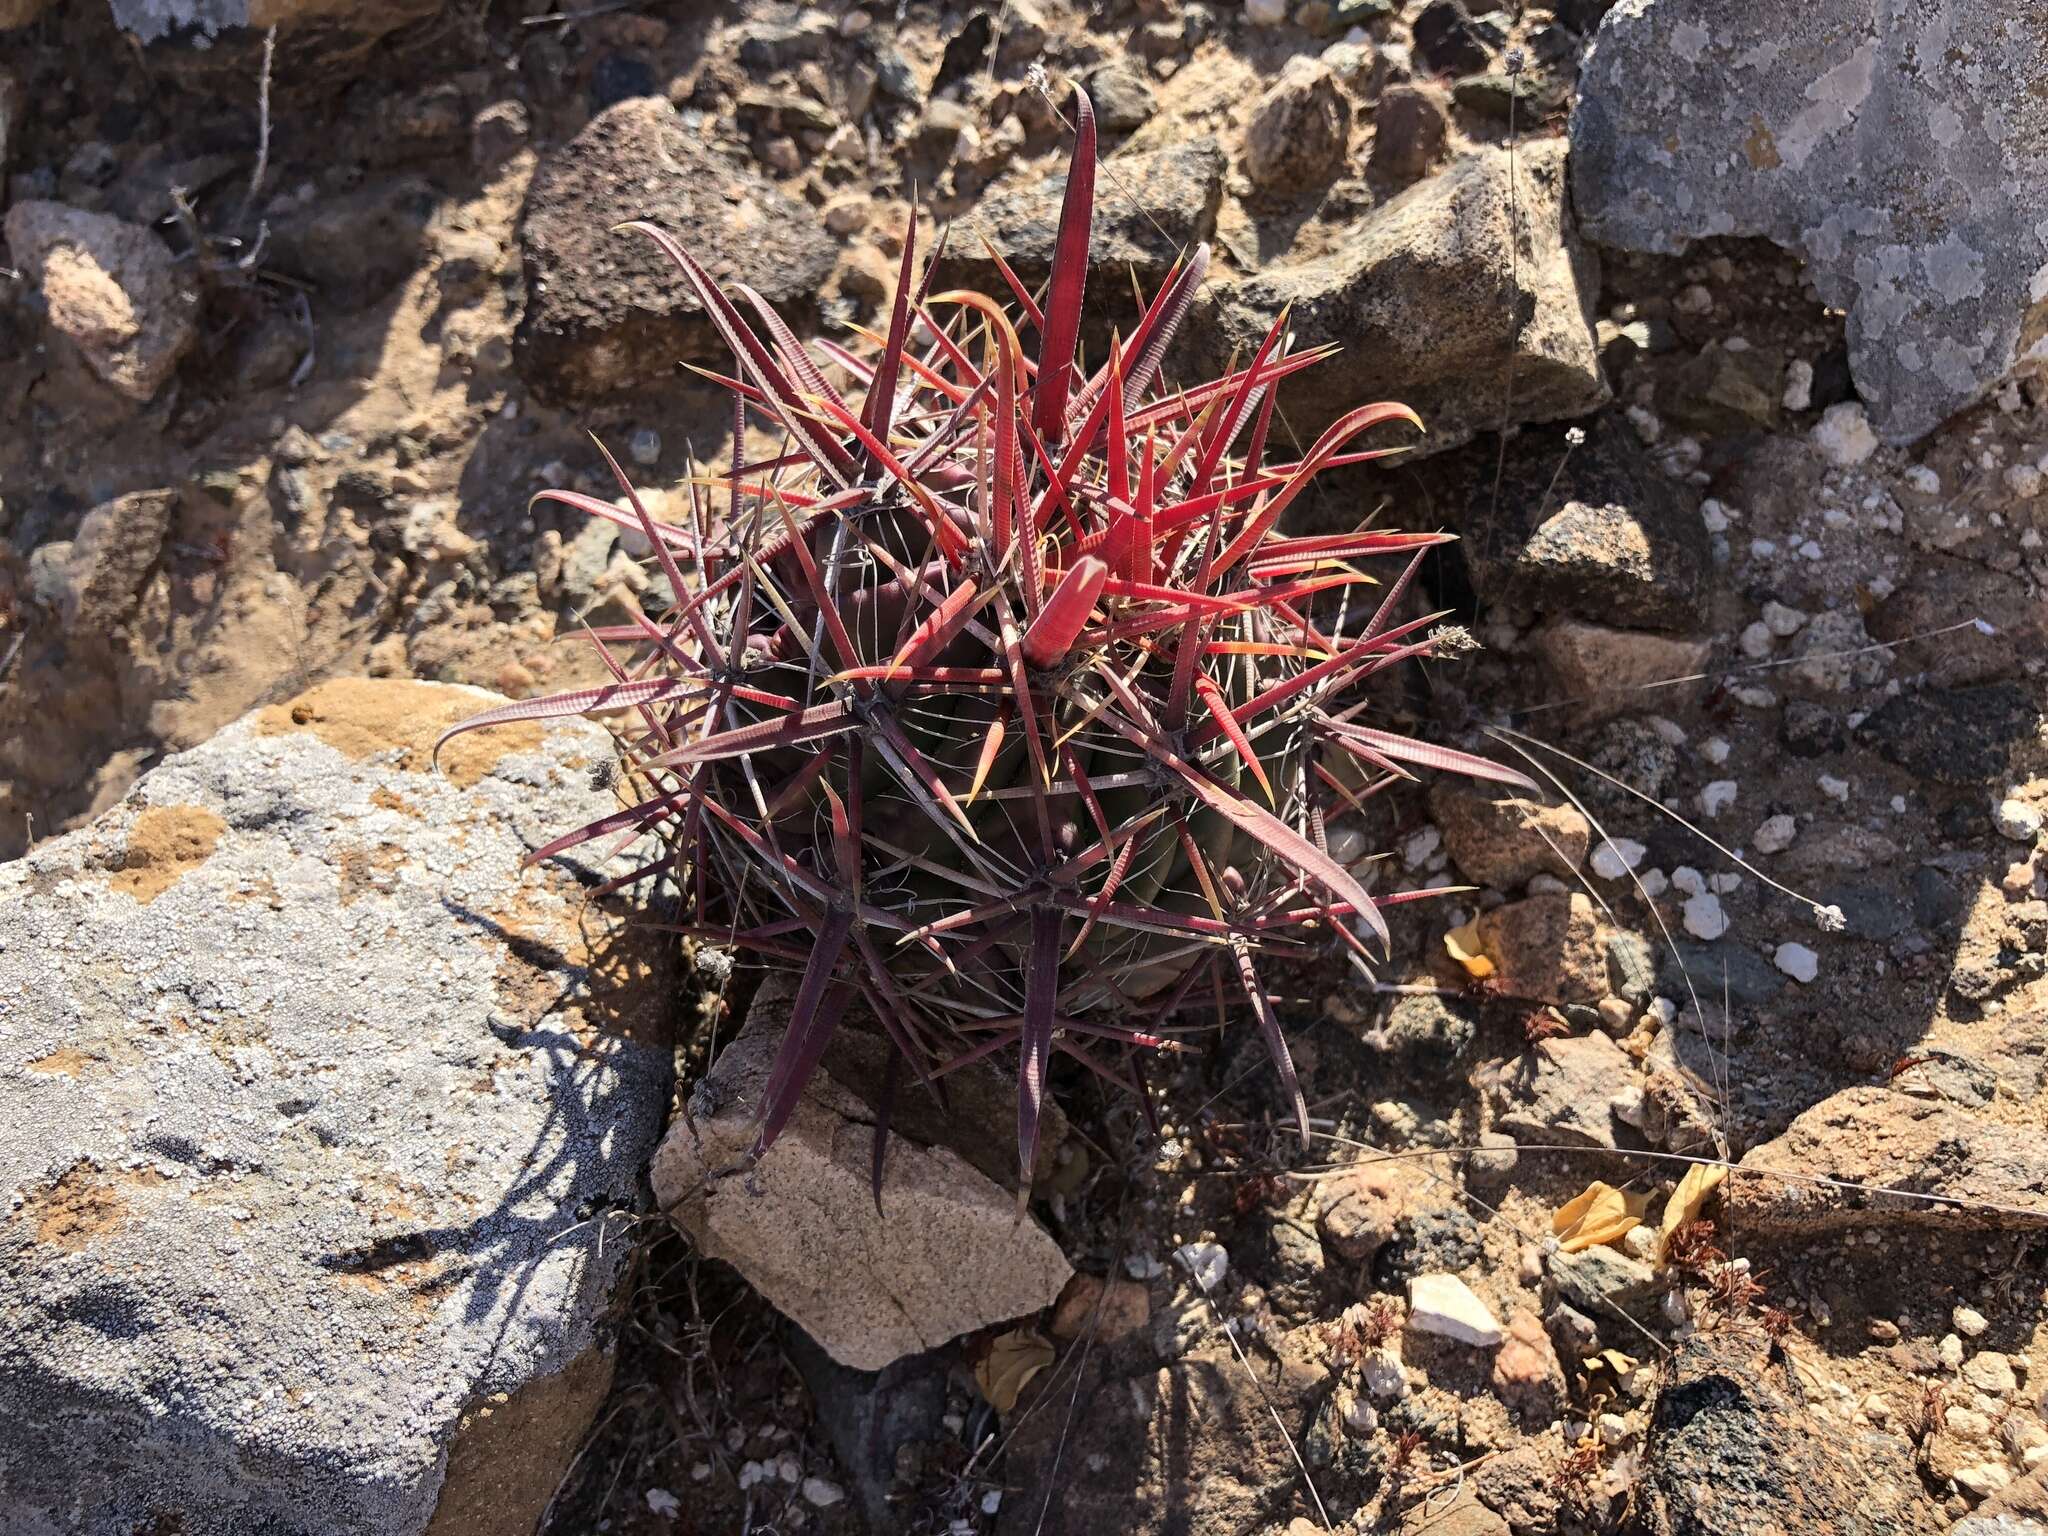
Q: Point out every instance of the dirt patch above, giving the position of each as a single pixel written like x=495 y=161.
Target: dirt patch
x=365 y=871
x=361 y=716
x=390 y=800
x=513 y=1449
x=165 y=842
x=82 y=1205
x=66 y=1061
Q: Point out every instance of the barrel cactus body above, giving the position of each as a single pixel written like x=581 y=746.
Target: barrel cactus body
x=997 y=701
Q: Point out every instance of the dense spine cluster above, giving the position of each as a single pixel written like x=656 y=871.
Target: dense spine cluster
x=997 y=702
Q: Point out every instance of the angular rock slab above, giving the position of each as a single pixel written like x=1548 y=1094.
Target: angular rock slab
x=1938 y=1155
x=312 y=1108
x=945 y=1255
x=605 y=308
x=1892 y=146
x=1428 y=296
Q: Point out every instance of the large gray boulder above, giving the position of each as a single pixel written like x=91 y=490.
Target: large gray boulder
x=1898 y=149
x=318 y=1119
x=1467 y=297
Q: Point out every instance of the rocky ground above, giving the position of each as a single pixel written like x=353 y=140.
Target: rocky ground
x=281 y=366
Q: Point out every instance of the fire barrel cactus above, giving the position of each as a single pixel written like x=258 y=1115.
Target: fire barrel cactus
x=996 y=701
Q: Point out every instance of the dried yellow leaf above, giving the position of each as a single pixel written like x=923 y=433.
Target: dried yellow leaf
x=1465 y=948
x=1011 y=1362
x=1700 y=1181
x=1601 y=1214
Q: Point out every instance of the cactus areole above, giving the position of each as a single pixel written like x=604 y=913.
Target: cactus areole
x=995 y=700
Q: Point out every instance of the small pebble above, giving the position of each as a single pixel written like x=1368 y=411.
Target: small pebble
x=1265 y=13
x=1775 y=834
x=1383 y=1377
x=1798 y=385
x=2017 y=820
x=1416 y=851
x=822 y=1493
x=1834 y=788
x=1983 y=1480
x=645 y=446
x=1843 y=435
x=1782 y=621
x=1714 y=750
x=1969 y=1322
x=1704 y=918
x=1757 y=640
x=1207 y=1262
x=1717 y=797
x=1615 y=857
x=1950 y=1351
x=1797 y=961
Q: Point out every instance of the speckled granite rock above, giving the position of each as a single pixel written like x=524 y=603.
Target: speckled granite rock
x=308 y=1095
x=1883 y=143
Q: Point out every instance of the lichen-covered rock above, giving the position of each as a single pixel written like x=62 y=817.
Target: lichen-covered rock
x=944 y=1254
x=1433 y=306
x=110 y=289
x=606 y=309
x=1882 y=145
x=313 y=1105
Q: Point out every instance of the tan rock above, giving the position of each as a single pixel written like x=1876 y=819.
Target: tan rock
x=1547 y=948
x=1502 y=843
x=944 y=1255
x=1993 y=1172
x=1562 y=1090
x=1603 y=671
x=109 y=289
x=1526 y=1373
x=1359 y=1210
x=1112 y=1309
